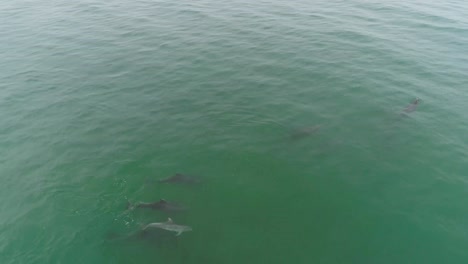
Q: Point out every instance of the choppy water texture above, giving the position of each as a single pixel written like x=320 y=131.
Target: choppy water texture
x=99 y=99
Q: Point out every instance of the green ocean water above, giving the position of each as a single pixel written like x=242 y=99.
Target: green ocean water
x=99 y=99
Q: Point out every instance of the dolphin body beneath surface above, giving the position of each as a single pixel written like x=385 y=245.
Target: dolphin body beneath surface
x=169 y=225
x=161 y=205
x=304 y=132
x=180 y=178
x=411 y=107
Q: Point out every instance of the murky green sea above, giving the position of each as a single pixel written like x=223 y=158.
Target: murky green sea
x=290 y=112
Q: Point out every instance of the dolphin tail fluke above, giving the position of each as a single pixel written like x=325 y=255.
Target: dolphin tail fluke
x=130 y=206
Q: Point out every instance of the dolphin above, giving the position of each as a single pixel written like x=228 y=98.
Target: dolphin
x=169 y=225
x=411 y=107
x=180 y=178
x=162 y=205
x=157 y=237
x=304 y=132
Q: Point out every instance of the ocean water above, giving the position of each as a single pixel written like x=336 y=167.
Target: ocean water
x=100 y=99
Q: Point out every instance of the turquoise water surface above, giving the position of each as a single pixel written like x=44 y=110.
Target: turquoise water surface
x=289 y=111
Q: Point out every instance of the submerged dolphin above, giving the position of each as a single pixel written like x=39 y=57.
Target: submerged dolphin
x=304 y=132
x=180 y=178
x=157 y=237
x=169 y=225
x=411 y=107
x=162 y=205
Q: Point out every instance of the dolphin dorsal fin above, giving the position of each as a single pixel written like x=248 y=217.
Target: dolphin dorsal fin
x=169 y=220
x=163 y=201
